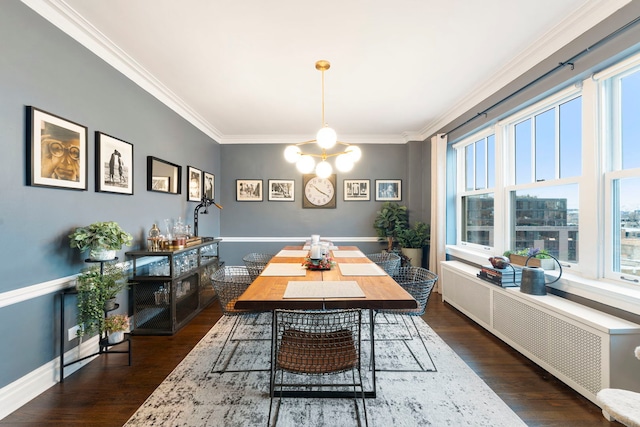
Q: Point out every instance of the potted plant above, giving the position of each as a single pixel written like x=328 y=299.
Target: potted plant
x=412 y=240
x=389 y=219
x=102 y=239
x=540 y=258
x=115 y=326
x=96 y=295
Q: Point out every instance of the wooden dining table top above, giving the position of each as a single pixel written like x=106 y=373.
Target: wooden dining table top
x=381 y=292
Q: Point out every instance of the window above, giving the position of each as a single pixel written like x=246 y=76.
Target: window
x=622 y=176
x=563 y=175
x=543 y=205
x=477 y=208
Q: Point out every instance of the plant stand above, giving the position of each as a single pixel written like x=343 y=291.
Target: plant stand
x=104 y=347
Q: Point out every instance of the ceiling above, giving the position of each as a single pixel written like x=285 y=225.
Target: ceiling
x=243 y=70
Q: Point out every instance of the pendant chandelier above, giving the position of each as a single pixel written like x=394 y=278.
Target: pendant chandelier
x=326 y=139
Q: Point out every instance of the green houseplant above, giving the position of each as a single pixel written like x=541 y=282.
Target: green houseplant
x=100 y=237
x=391 y=217
x=95 y=289
x=412 y=240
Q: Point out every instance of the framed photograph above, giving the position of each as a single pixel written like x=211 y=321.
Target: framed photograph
x=248 y=190
x=357 y=190
x=56 y=151
x=194 y=178
x=161 y=183
x=281 y=190
x=209 y=185
x=388 y=189
x=114 y=165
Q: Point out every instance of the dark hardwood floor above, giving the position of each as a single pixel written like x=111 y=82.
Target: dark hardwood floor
x=107 y=392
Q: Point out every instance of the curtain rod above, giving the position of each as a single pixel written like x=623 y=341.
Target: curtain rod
x=570 y=62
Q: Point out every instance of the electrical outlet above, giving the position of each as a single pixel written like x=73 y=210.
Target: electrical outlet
x=73 y=332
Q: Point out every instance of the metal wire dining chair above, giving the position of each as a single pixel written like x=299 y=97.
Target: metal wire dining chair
x=230 y=282
x=388 y=261
x=256 y=262
x=419 y=282
x=317 y=343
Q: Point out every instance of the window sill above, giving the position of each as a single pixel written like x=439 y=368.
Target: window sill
x=600 y=291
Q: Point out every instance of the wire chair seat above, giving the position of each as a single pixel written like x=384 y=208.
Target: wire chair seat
x=230 y=282
x=419 y=282
x=256 y=262
x=317 y=343
x=388 y=261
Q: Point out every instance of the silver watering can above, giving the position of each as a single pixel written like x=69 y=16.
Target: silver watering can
x=533 y=278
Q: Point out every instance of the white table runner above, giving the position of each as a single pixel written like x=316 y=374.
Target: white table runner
x=365 y=269
x=284 y=269
x=323 y=289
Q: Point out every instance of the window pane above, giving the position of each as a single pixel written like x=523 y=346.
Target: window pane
x=571 y=138
x=547 y=218
x=481 y=166
x=477 y=219
x=469 y=164
x=630 y=104
x=523 y=152
x=627 y=247
x=545 y=146
x=491 y=161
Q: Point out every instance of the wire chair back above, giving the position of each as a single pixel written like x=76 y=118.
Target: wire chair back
x=230 y=282
x=388 y=261
x=256 y=262
x=419 y=282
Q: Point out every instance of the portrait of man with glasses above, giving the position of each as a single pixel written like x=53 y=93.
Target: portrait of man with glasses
x=60 y=153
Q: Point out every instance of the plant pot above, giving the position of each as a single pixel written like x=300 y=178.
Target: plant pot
x=414 y=255
x=546 y=264
x=116 y=337
x=100 y=254
x=110 y=304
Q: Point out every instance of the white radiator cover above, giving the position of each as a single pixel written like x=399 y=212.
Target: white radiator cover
x=585 y=348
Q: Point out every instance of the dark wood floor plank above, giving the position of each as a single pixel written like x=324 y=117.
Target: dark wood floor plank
x=107 y=392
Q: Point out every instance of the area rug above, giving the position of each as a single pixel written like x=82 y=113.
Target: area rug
x=420 y=381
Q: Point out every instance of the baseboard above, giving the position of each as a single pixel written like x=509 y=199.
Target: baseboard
x=24 y=389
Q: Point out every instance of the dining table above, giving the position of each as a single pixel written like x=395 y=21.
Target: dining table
x=353 y=282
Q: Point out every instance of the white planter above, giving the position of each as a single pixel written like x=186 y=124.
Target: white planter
x=102 y=254
x=414 y=255
x=116 y=337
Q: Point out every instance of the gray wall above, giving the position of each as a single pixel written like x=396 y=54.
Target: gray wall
x=288 y=219
x=42 y=67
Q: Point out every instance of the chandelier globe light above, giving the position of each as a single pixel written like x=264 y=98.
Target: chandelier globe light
x=326 y=138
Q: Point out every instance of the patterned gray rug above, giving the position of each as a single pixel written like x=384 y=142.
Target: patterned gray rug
x=224 y=381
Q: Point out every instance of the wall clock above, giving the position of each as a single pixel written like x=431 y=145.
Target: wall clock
x=318 y=192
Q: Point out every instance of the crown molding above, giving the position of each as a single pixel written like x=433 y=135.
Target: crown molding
x=584 y=18
x=296 y=139
x=60 y=14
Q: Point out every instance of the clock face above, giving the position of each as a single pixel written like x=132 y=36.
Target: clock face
x=319 y=192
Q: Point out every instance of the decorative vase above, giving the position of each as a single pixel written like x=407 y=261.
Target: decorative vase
x=414 y=255
x=116 y=337
x=110 y=304
x=101 y=254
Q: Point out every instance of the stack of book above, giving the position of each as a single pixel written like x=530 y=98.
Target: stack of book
x=505 y=277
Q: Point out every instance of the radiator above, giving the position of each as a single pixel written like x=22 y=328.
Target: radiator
x=586 y=349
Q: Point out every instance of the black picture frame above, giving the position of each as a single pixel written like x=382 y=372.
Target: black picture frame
x=114 y=165
x=208 y=185
x=249 y=190
x=163 y=176
x=389 y=190
x=281 y=190
x=56 y=151
x=356 y=190
x=194 y=184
